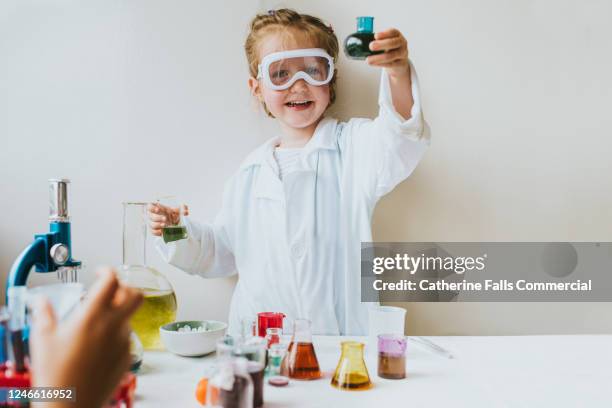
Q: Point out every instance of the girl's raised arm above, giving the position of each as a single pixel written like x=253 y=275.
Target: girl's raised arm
x=395 y=62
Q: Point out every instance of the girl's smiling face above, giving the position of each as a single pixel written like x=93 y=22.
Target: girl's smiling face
x=301 y=105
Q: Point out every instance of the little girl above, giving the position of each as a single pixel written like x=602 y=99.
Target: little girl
x=296 y=211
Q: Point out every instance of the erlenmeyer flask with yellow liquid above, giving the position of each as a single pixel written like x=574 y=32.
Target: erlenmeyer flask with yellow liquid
x=159 y=305
x=351 y=373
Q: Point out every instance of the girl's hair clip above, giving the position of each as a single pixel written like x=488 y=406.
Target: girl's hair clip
x=271 y=12
x=331 y=29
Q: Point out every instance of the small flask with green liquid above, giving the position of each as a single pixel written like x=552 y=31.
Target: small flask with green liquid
x=357 y=45
x=178 y=231
x=174 y=233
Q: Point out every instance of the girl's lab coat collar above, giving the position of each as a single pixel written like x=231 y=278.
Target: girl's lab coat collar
x=268 y=184
x=324 y=138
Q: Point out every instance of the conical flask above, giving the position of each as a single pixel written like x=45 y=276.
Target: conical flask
x=301 y=362
x=351 y=372
x=159 y=305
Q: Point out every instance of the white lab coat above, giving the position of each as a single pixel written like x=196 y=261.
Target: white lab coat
x=295 y=243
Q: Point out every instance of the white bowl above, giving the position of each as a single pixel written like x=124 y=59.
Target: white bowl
x=192 y=344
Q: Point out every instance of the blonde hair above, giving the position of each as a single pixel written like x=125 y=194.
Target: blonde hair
x=284 y=19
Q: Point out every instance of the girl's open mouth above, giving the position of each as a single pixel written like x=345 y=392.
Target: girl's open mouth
x=299 y=105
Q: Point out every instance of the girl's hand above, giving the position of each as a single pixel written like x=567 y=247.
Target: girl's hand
x=395 y=57
x=161 y=216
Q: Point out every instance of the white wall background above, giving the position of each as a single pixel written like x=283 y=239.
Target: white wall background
x=137 y=99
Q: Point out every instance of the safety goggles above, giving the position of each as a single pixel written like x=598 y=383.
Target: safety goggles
x=280 y=70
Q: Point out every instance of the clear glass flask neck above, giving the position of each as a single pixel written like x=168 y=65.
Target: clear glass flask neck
x=365 y=24
x=134 y=234
x=301 y=331
x=352 y=349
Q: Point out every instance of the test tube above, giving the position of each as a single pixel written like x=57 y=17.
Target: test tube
x=249 y=328
x=4 y=334
x=273 y=335
x=17 y=309
x=225 y=346
x=275 y=357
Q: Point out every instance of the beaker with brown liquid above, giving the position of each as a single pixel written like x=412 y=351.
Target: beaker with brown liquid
x=391 y=356
x=254 y=350
x=300 y=362
x=230 y=386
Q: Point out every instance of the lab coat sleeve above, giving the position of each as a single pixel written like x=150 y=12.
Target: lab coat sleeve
x=389 y=147
x=206 y=251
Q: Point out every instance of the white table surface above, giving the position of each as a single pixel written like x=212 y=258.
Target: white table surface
x=491 y=371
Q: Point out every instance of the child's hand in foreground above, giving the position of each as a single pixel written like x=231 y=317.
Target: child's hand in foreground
x=89 y=350
x=161 y=216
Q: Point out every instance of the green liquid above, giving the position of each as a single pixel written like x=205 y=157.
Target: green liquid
x=274 y=365
x=157 y=309
x=174 y=233
x=357 y=45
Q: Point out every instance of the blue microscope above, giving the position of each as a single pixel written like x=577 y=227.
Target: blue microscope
x=49 y=252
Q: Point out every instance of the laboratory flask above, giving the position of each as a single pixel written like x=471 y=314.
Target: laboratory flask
x=301 y=362
x=357 y=45
x=177 y=230
x=159 y=305
x=351 y=372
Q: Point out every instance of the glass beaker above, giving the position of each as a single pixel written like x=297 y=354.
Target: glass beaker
x=301 y=362
x=175 y=229
x=254 y=350
x=384 y=320
x=351 y=372
x=266 y=320
x=248 y=328
x=159 y=305
x=391 y=356
x=231 y=385
x=64 y=297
